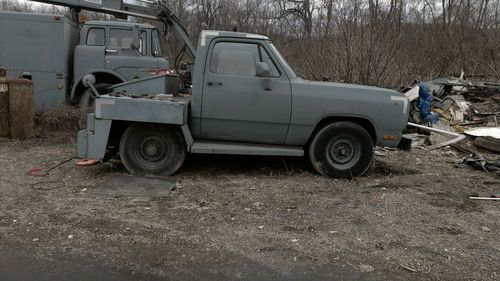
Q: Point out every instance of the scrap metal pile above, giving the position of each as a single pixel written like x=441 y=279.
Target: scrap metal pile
x=466 y=103
x=465 y=108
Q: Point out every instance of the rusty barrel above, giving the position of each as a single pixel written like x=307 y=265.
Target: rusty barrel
x=17 y=107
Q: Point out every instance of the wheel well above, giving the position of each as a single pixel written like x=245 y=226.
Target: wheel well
x=366 y=124
x=118 y=129
x=101 y=77
x=116 y=132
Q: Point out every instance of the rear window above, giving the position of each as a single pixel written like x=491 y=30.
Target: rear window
x=96 y=37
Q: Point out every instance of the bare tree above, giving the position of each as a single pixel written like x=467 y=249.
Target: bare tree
x=374 y=42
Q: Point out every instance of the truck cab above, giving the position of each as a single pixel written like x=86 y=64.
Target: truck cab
x=115 y=51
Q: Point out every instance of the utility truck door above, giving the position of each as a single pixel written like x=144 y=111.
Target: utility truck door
x=246 y=95
x=127 y=56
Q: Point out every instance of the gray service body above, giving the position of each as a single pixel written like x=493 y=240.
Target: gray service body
x=58 y=54
x=241 y=113
x=43 y=46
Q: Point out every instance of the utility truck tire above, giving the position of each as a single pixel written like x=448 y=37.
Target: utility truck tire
x=147 y=149
x=87 y=99
x=341 y=150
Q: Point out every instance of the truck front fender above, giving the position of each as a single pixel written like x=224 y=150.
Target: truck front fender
x=364 y=121
x=302 y=133
x=102 y=76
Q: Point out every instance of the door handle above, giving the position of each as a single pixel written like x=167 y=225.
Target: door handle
x=212 y=83
x=109 y=51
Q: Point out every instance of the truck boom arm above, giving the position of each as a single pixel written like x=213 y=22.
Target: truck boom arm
x=160 y=12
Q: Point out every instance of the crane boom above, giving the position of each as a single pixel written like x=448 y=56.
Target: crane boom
x=118 y=8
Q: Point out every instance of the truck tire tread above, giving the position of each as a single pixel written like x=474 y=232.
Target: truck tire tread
x=327 y=149
x=167 y=145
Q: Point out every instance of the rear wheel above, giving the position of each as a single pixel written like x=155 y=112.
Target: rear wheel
x=152 y=149
x=341 y=150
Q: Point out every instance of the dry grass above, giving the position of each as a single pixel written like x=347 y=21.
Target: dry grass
x=64 y=118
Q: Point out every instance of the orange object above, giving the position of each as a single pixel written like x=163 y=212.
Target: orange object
x=86 y=162
x=37 y=172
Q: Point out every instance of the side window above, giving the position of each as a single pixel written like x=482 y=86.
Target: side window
x=120 y=38
x=234 y=59
x=240 y=59
x=96 y=37
x=143 y=38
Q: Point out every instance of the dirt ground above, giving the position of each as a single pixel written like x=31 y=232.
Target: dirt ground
x=257 y=218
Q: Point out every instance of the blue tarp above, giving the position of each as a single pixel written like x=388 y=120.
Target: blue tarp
x=424 y=104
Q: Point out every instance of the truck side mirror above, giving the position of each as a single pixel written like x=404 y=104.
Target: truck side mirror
x=135 y=44
x=263 y=70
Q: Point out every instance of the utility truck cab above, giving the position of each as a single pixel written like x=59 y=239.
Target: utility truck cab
x=116 y=52
x=129 y=49
x=56 y=53
x=245 y=100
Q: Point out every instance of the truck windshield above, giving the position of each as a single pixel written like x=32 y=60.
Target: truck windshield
x=157 y=44
x=282 y=60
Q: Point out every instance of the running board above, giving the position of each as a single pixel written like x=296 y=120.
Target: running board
x=213 y=147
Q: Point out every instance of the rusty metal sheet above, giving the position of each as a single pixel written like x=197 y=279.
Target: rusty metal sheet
x=22 y=108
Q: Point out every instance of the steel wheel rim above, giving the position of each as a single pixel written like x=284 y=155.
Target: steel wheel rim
x=343 y=152
x=152 y=150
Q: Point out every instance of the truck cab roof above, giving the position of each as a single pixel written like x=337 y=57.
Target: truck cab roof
x=119 y=24
x=205 y=34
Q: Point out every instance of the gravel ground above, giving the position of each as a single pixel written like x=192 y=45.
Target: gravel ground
x=256 y=218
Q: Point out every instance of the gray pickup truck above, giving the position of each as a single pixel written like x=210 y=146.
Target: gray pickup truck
x=245 y=100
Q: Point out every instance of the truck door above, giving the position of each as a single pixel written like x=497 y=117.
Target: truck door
x=120 y=57
x=236 y=105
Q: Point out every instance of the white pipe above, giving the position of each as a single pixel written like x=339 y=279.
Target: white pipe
x=485 y=198
x=458 y=137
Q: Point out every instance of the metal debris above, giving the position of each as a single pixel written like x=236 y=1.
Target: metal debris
x=479 y=162
x=488 y=143
x=470 y=107
x=484 y=132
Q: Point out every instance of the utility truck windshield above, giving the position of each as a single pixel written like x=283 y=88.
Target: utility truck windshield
x=157 y=52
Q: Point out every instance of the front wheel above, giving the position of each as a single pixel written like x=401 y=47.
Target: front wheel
x=341 y=150
x=87 y=99
x=152 y=149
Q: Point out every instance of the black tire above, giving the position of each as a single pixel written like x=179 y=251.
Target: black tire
x=147 y=149
x=87 y=99
x=341 y=150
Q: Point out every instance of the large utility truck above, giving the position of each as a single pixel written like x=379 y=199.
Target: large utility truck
x=56 y=53
x=245 y=99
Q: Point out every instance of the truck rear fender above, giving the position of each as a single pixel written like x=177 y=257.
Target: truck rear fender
x=365 y=123
x=117 y=130
x=119 y=127
x=101 y=75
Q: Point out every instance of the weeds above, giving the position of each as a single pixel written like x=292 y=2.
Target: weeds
x=64 y=118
